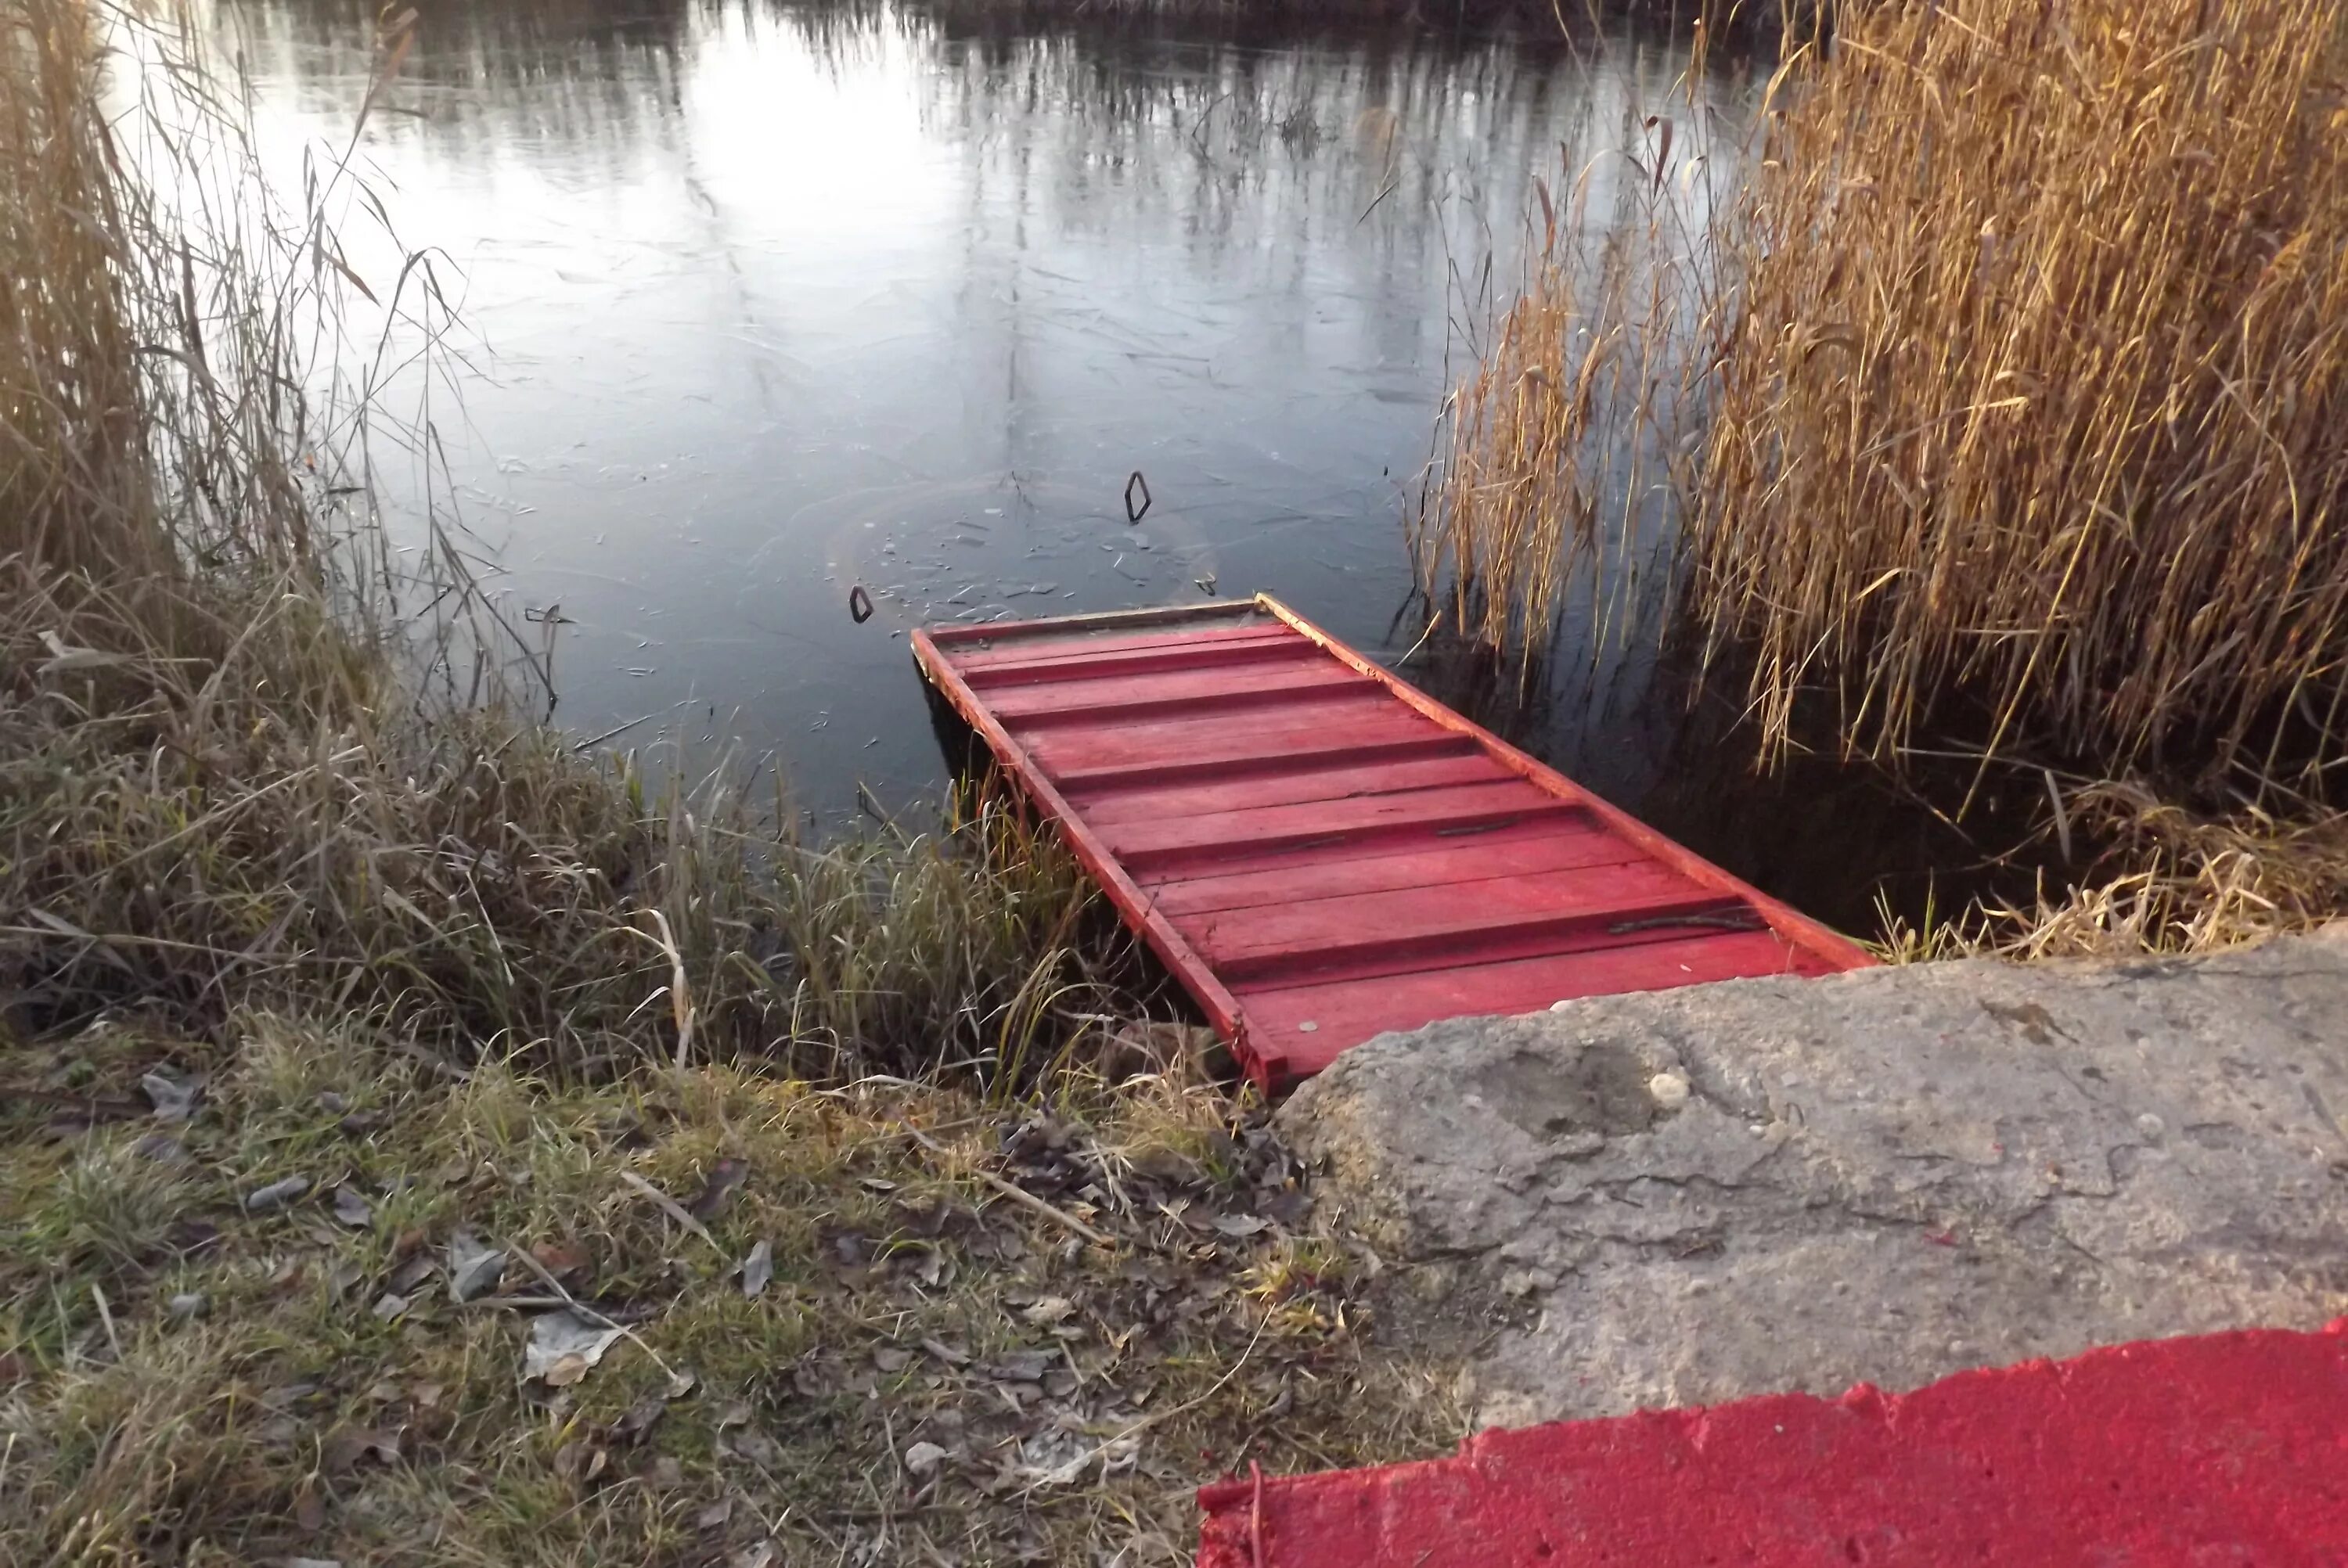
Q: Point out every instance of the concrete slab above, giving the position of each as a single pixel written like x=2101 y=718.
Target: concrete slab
x=1689 y=1196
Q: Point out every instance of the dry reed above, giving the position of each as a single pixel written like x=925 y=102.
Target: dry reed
x=2003 y=412
x=223 y=784
x=2037 y=389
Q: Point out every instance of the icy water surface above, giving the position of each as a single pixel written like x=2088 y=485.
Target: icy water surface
x=770 y=304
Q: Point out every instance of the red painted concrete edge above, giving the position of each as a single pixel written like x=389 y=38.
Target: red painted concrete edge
x=2217 y=1449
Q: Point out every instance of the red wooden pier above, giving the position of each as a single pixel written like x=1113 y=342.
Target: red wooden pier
x=1320 y=852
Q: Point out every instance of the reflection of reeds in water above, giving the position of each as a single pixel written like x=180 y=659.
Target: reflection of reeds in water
x=1567 y=445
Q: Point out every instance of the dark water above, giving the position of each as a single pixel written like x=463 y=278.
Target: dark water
x=766 y=303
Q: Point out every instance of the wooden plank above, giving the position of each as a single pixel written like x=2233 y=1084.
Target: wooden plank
x=1290 y=826
x=1572 y=935
x=1128 y=656
x=1532 y=849
x=1422 y=925
x=1143 y=800
x=1201 y=617
x=1348 y=1012
x=1139 y=699
x=1217 y=834
x=1364 y=718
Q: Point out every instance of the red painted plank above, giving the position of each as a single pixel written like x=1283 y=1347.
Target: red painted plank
x=1049 y=659
x=1074 y=755
x=1531 y=847
x=2215 y=1449
x=1140 y=699
x=1503 y=946
x=1141 y=801
x=1388 y=933
x=1346 y=1013
x=976 y=647
x=1456 y=807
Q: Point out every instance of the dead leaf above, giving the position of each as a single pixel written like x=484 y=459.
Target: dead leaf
x=1242 y=1225
x=756 y=1446
x=724 y=1178
x=564 y=1347
x=173 y=1097
x=347 y=1447
x=758 y=1270
x=1046 y=1310
x=351 y=1209
x=474 y=1269
x=310 y=1511
x=946 y=1353
x=891 y=1360
x=923 y=1460
x=389 y=1305
x=716 y=1516
x=582 y=1461
x=640 y=1419
x=562 y=1259
x=664 y=1473
x=758 y=1555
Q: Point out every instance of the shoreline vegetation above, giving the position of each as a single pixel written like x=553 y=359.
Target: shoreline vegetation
x=422 y=1143
x=2000 y=425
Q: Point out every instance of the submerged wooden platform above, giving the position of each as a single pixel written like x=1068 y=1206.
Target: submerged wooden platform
x=1320 y=852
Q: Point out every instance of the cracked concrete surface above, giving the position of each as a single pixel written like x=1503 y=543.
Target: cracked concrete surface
x=1685 y=1196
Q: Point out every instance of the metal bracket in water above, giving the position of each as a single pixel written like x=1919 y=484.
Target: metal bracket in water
x=1134 y=514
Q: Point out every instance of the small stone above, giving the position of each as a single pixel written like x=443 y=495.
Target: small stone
x=185 y=1307
x=332 y=1103
x=275 y=1195
x=1668 y=1089
x=2151 y=1126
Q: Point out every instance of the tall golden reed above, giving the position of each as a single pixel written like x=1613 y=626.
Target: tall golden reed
x=2037 y=389
x=2012 y=392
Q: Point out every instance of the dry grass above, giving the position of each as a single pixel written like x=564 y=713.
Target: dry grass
x=237 y=777
x=1071 y=1392
x=2163 y=881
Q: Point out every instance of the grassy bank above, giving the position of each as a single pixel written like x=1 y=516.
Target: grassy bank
x=2002 y=416
x=356 y=1033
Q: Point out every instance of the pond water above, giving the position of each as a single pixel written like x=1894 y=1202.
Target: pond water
x=762 y=304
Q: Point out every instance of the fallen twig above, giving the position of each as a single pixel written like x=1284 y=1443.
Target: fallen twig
x=1012 y=1190
x=671 y=1208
